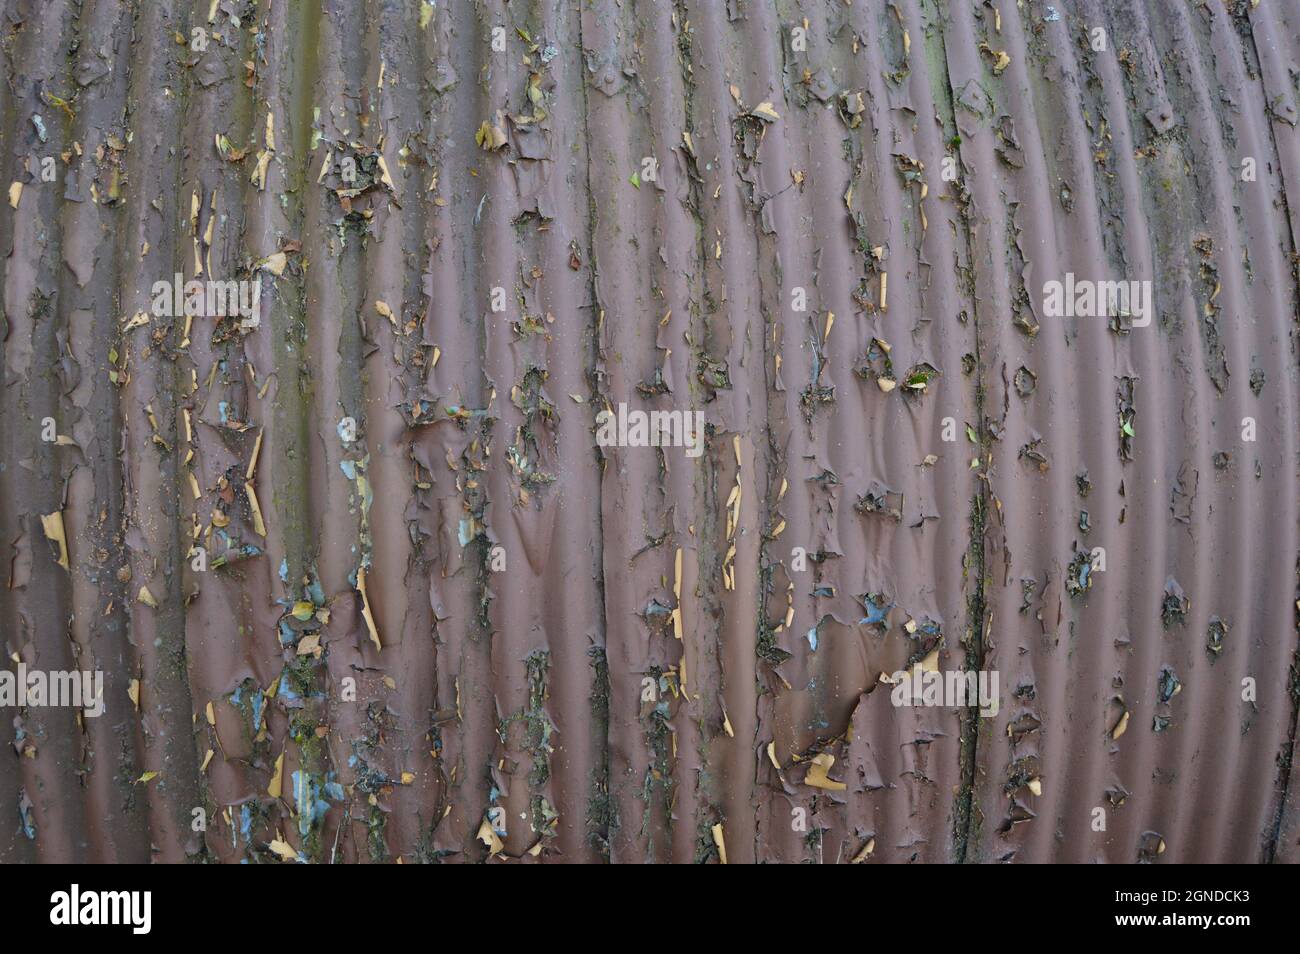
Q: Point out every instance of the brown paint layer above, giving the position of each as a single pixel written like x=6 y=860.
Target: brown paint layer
x=363 y=586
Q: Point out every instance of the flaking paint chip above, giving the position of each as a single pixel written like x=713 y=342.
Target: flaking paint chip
x=822 y=763
x=277 y=779
x=283 y=850
x=274 y=263
x=53 y=525
x=488 y=836
x=720 y=841
x=365 y=608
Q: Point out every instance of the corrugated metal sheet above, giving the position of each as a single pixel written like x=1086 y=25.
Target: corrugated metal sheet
x=648 y=668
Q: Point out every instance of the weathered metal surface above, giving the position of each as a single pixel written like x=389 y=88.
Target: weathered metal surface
x=428 y=605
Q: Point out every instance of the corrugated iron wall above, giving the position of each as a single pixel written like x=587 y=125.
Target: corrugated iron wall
x=364 y=587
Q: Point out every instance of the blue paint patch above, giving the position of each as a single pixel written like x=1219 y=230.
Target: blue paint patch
x=259 y=709
x=286 y=690
x=312 y=807
x=25 y=818
x=877 y=610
